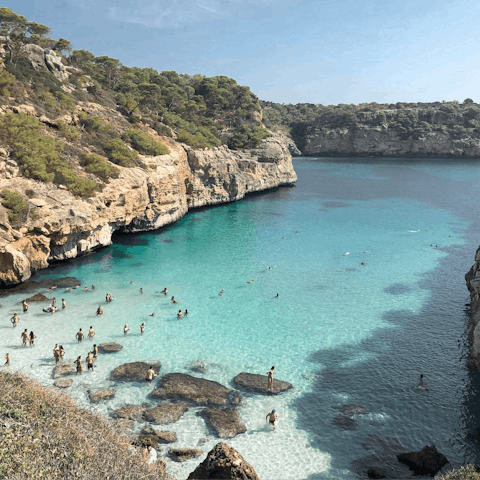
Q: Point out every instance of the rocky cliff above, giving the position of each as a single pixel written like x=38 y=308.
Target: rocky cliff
x=63 y=226
x=473 y=284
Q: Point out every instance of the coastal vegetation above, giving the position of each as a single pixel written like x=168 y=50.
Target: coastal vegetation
x=45 y=435
x=14 y=203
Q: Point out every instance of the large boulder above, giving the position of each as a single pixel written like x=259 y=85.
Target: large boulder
x=130 y=412
x=352 y=409
x=63 y=369
x=165 y=413
x=226 y=422
x=184 y=454
x=258 y=383
x=38 y=297
x=428 y=461
x=161 y=436
x=101 y=395
x=180 y=386
x=224 y=462
x=65 y=383
x=134 y=372
x=111 y=347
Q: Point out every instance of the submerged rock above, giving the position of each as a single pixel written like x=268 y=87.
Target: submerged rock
x=38 y=297
x=184 y=454
x=101 y=395
x=352 y=409
x=130 y=412
x=165 y=413
x=109 y=347
x=134 y=372
x=197 y=367
x=258 y=383
x=345 y=422
x=226 y=422
x=65 y=383
x=161 y=436
x=62 y=369
x=224 y=462
x=428 y=461
x=180 y=386
x=375 y=473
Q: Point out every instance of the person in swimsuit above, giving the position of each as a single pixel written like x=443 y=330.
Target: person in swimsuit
x=7 y=358
x=99 y=310
x=89 y=361
x=85 y=289
x=141 y=290
x=56 y=353
x=126 y=328
x=251 y=281
x=15 y=319
x=173 y=300
x=80 y=336
x=25 y=305
x=151 y=374
x=61 y=351
x=93 y=287
x=185 y=313
x=272 y=417
x=142 y=327
x=108 y=298
x=164 y=291
x=78 y=363
x=270 y=379
x=222 y=292
x=32 y=339
x=95 y=351
x=276 y=296
x=153 y=314
x=24 y=337
x=91 y=333
x=179 y=314
x=64 y=304
x=54 y=301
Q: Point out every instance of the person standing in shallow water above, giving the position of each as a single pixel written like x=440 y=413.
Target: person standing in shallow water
x=24 y=337
x=99 y=310
x=25 y=306
x=64 y=304
x=270 y=379
x=7 y=358
x=78 y=363
x=142 y=327
x=272 y=417
x=91 y=333
x=80 y=336
x=126 y=328
x=15 y=319
x=32 y=339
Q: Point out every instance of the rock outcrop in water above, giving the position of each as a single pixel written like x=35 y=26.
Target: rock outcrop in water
x=473 y=284
x=428 y=461
x=134 y=371
x=226 y=422
x=224 y=462
x=254 y=382
x=66 y=227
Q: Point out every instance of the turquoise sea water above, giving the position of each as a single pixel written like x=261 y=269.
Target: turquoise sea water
x=341 y=332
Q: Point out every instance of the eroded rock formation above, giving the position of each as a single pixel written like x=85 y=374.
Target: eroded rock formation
x=473 y=284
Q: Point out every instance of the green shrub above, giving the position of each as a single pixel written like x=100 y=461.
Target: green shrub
x=144 y=144
x=29 y=193
x=38 y=154
x=68 y=131
x=6 y=80
x=93 y=123
x=248 y=137
x=99 y=166
x=48 y=98
x=118 y=153
x=162 y=130
x=15 y=205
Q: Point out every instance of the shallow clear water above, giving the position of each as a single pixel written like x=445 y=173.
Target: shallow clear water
x=340 y=331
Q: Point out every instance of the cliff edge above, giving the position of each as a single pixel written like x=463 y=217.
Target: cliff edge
x=473 y=284
x=61 y=226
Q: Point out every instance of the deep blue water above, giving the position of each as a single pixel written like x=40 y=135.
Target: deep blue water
x=369 y=259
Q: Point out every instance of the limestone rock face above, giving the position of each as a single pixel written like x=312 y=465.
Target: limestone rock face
x=67 y=227
x=428 y=461
x=258 y=383
x=180 y=386
x=226 y=422
x=41 y=58
x=473 y=284
x=224 y=462
x=134 y=372
x=165 y=413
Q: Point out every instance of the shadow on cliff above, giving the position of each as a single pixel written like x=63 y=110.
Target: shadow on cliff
x=381 y=373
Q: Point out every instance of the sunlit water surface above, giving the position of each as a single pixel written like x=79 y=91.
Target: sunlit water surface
x=341 y=332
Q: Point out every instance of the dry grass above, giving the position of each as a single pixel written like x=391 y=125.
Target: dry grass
x=465 y=473
x=45 y=435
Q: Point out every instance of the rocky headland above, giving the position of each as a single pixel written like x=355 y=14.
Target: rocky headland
x=473 y=284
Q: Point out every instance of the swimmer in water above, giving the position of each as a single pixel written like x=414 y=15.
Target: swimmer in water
x=78 y=362
x=362 y=263
x=277 y=295
x=91 y=333
x=25 y=305
x=185 y=313
x=15 y=319
x=131 y=282
x=151 y=374
x=153 y=315
x=251 y=281
x=53 y=288
x=164 y=291
x=179 y=314
x=99 y=310
x=24 y=337
x=272 y=417
x=421 y=384
x=222 y=292
x=141 y=290
x=269 y=267
x=80 y=336
x=283 y=238
x=173 y=300
x=85 y=289
x=64 y=304
x=142 y=327
x=54 y=301
x=95 y=351
x=7 y=358
x=93 y=287
x=126 y=328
